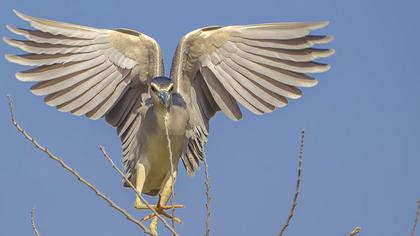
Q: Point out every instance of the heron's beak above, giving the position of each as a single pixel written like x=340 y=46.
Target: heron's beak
x=164 y=97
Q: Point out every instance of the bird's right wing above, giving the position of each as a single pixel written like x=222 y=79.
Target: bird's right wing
x=88 y=71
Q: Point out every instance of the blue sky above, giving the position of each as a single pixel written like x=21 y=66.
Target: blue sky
x=361 y=164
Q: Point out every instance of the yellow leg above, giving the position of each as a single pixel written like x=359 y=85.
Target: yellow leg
x=140 y=178
x=166 y=190
x=161 y=206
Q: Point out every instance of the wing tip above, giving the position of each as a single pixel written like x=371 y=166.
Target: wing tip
x=23 y=77
x=311 y=83
x=232 y=116
x=321 y=68
x=11 y=58
x=10 y=28
x=12 y=42
x=320 y=39
x=93 y=117
x=295 y=96
x=318 y=25
x=19 y=76
x=191 y=173
x=21 y=15
x=36 y=92
x=327 y=67
x=323 y=53
x=7 y=40
x=323 y=23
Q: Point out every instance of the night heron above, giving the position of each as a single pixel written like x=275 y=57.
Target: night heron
x=118 y=74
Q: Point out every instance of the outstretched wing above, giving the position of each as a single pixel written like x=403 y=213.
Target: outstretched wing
x=260 y=66
x=88 y=71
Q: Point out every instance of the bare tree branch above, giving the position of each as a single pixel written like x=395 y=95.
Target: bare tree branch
x=72 y=171
x=208 y=200
x=105 y=154
x=356 y=231
x=34 y=228
x=416 y=220
x=298 y=181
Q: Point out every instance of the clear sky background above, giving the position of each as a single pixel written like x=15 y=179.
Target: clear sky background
x=361 y=164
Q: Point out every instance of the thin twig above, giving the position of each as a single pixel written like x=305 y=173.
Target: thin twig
x=171 y=160
x=105 y=154
x=34 y=228
x=356 y=231
x=298 y=181
x=72 y=171
x=208 y=200
x=416 y=220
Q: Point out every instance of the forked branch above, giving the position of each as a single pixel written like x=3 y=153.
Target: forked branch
x=297 y=188
x=72 y=171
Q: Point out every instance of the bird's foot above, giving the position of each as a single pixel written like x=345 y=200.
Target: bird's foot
x=161 y=211
x=144 y=207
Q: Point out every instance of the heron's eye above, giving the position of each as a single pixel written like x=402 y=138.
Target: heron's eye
x=171 y=88
x=154 y=89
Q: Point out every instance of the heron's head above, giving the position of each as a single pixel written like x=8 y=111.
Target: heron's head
x=161 y=89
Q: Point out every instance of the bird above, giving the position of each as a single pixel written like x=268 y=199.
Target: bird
x=118 y=74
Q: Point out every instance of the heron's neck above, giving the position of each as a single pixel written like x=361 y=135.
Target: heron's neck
x=160 y=112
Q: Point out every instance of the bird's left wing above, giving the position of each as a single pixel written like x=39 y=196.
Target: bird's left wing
x=89 y=71
x=260 y=66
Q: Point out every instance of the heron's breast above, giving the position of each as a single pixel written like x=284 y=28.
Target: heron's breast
x=176 y=121
x=159 y=127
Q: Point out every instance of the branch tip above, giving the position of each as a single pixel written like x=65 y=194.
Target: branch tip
x=34 y=228
x=356 y=231
x=298 y=183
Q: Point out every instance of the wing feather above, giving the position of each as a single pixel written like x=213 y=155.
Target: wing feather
x=88 y=71
x=59 y=28
x=41 y=60
x=43 y=73
x=257 y=90
x=43 y=37
x=260 y=66
x=221 y=96
x=49 y=49
x=279 y=31
x=75 y=91
x=61 y=83
x=298 y=43
x=266 y=82
x=228 y=86
x=302 y=55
